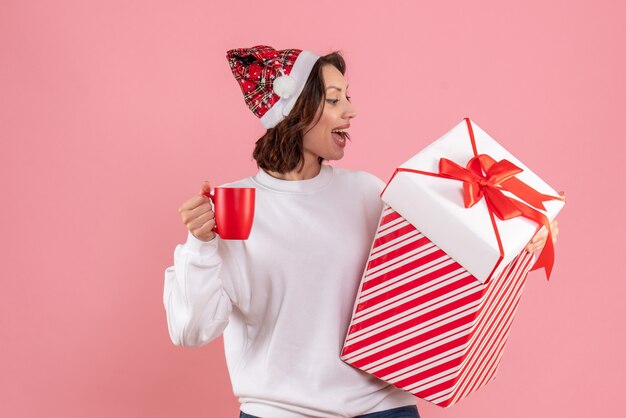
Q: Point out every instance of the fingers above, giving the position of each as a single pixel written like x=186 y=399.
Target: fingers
x=205 y=188
x=200 y=224
x=204 y=207
x=197 y=210
x=554 y=230
x=194 y=207
x=197 y=214
x=192 y=203
x=203 y=211
x=542 y=234
x=538 y=241
x=205 y=232
x=540 y=238
x=196 y=201
x=535 y=246
x=531 y=248
x=196 y=222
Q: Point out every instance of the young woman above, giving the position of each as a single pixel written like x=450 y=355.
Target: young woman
x=283 y=298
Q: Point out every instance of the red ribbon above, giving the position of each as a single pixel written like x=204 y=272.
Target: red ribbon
x=483 y=176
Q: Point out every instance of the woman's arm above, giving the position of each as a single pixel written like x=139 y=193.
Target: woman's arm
x=194 y=295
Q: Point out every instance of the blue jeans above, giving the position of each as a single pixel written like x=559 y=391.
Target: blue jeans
x=409 y=411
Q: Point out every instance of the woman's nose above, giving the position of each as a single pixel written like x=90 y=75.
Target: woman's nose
x=350 y=111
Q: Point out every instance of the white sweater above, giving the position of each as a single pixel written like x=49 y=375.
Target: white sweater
x=284 y=297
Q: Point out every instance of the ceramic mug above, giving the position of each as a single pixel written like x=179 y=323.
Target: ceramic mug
x=234 y=211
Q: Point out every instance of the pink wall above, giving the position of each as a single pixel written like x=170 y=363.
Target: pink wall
x=113 y=112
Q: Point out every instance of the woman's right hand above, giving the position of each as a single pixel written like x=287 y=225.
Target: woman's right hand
x=197 y=214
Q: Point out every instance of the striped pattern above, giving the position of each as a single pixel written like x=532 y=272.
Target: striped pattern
x=423 y=323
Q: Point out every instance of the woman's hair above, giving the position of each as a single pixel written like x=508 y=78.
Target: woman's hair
x=280 y=148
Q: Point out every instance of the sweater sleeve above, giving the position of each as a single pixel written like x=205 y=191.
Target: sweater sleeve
x=195 y=296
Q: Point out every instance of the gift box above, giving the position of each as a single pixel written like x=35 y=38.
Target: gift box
x=434 y=309
x=474 y=200
x=422 y=322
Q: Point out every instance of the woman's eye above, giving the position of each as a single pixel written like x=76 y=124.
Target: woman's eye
x=332 y=101
x=348 y=98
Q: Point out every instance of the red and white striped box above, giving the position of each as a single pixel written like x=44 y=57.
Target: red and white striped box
x=422 y=322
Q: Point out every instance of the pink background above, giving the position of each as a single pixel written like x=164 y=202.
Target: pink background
x=113 y=112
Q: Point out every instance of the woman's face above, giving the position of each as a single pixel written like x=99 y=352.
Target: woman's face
x=327 y=139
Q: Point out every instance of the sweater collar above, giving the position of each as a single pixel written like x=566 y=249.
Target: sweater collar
x=297 y=186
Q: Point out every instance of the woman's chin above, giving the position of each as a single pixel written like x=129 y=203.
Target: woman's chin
x=337 y=155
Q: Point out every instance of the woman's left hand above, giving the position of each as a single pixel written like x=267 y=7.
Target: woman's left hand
x=539 y=240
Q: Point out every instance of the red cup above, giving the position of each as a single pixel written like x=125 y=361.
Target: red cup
x=234 y=211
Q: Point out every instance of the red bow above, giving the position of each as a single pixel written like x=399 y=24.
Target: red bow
x=500 y=176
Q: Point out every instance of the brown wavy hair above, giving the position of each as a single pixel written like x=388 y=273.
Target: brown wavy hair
x=280 y=148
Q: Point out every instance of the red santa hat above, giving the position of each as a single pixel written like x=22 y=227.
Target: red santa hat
x=271 y=80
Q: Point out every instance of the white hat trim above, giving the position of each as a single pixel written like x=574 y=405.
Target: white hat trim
x=300 y=72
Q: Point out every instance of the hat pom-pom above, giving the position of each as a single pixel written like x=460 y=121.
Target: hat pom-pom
x=284 y=86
